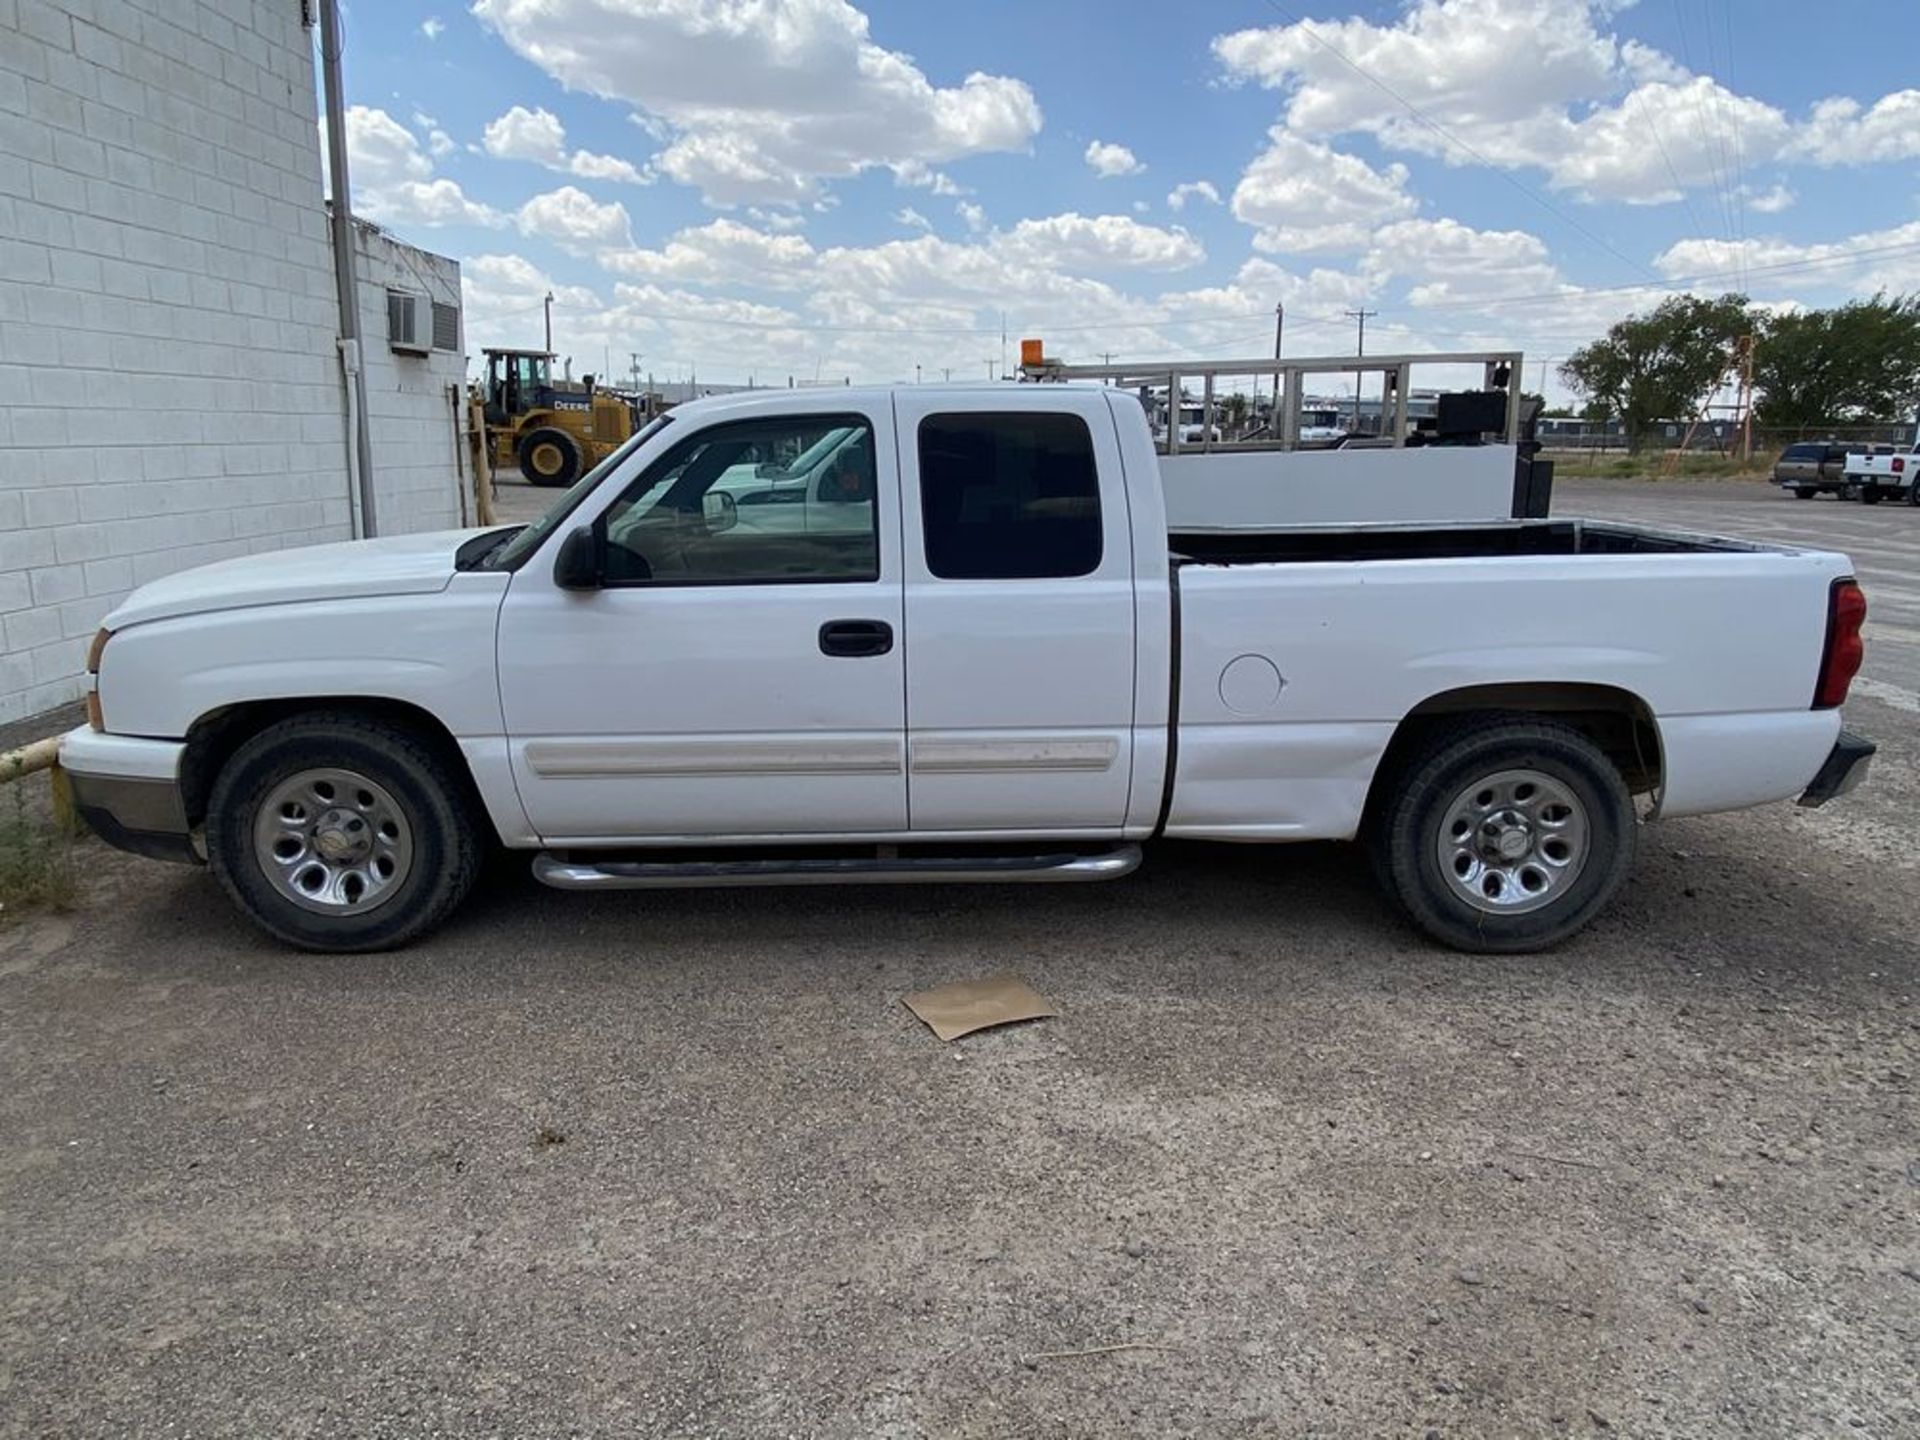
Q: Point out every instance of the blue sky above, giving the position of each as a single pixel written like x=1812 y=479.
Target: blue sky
x=809 y=188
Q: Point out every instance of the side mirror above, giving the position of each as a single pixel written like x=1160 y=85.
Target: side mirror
x=578 y=566
x=721 y=510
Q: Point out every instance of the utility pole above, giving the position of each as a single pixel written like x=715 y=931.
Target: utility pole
x=1359 y=351
x=1747 y=343
x=549 y=304
x=1003 y=342
x=946 y=372
x=1279 y=329
x=633 y=367
x=916 y=372
x=988 y=362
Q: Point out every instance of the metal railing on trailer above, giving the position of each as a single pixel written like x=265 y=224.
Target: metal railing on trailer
x=1500 y=372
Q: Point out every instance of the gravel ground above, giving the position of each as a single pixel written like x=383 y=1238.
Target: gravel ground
x=683 y=1164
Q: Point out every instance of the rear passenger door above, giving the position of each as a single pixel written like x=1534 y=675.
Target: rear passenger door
x=1019 y=613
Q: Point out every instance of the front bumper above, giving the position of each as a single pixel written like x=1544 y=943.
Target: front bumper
x=1845 y=768
x=128 y=791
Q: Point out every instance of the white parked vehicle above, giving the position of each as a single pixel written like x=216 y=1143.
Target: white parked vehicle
x=997 y=661
x=1884 y=471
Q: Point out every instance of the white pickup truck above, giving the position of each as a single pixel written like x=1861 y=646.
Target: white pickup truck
x=1885 y=470
x=972 y=649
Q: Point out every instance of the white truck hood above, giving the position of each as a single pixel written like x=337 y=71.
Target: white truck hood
x=391 y=565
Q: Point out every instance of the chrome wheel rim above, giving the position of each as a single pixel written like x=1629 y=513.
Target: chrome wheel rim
x=333 y=842
x=1512 y=841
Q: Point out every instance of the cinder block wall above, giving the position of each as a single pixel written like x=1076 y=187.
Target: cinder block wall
x=170 y=389
x=411 y=419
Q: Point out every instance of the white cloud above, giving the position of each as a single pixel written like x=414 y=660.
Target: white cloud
x=574 y=220
x=1178 y=197
x=781 y=220
x=393 y=181
x=523 y=134
x=1840 y=132
x=912 y=218
x=912 y=172
x=1453 y=262
x=1097 y=242
x=1474 y=65
x=433 y=27
x=1303 y=196
x=722 y=252
x=1873 y=260
x=1773 y=201
x=975 y=216
x=763 y=103
x=1110 y=162
x=381 y=151
x=537 y=135
x=1607 y=119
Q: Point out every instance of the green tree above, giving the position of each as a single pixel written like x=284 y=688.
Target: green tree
x=1854 y=365
x=1661 y=365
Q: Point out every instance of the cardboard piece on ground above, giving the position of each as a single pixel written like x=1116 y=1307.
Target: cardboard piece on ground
x=951 y=1011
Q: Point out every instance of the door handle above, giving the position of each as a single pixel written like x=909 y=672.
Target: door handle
x=856 y=637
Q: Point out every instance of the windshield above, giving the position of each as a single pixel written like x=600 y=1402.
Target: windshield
x=514 y=553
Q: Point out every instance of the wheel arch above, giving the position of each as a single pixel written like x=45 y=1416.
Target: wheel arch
x=214 y=737
x=1618 y=721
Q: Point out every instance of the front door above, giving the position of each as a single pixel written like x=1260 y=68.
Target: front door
x=1020 y=616
x=729 y=678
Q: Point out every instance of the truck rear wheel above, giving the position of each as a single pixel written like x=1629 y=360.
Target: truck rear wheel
x=1504 y=833
x=335 y=832
x=550 y=457
x=1869 y=494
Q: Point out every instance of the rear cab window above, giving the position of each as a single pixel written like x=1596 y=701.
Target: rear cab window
x=1009 y=496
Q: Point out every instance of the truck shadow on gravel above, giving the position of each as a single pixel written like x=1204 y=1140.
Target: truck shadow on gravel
x=1701 y=902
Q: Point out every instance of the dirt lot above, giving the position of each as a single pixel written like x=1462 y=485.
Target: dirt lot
x=684 y=1165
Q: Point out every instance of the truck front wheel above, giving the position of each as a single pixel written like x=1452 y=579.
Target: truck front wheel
x=1504 y=834
x=337 y=832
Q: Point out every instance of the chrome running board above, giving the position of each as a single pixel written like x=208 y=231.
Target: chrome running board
x=1057 y=869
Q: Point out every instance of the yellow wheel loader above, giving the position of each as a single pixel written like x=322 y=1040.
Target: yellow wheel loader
x=554 y=432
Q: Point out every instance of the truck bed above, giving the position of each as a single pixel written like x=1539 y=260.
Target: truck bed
x=1436 y=542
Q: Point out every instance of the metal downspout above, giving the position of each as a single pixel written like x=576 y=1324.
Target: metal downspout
x=345 y=282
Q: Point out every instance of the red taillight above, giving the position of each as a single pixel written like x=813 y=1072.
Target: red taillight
x=1846 y=614
x=1899 y=465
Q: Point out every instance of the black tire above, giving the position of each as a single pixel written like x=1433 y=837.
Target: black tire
x=1802 y=493
x=1869 y=494
x=537 y=445
x=1404 y=832
x=433 y=797
x=1913 y=493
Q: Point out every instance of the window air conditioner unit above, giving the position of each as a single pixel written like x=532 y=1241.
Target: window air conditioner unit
x=409 y=323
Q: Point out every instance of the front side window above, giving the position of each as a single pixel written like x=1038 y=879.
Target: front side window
x=1009 y=496
x=729 y=505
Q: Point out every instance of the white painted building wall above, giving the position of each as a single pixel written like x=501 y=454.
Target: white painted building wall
x=170 y=390
x=417 y=473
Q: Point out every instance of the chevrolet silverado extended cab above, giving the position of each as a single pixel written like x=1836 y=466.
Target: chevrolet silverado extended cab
x=935 y=633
